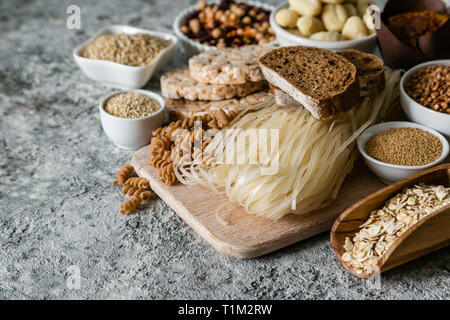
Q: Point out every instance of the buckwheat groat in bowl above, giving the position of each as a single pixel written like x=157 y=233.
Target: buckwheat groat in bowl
x=129 y=117
x=425 y=95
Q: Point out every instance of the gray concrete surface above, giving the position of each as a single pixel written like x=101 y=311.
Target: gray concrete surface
x=59 y=209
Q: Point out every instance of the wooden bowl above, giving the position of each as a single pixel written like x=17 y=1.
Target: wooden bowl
x=429 y=234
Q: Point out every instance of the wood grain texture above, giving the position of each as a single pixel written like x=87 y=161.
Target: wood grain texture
x=248 y=236
x=428 y=235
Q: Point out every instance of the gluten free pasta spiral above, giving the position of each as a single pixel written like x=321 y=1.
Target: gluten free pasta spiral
x=176 y=142
x=122 y=175
x=167 y=175
x=134 y=187
x=140 y=183
x=128 y=189
x=128 y=206
x=142 y=194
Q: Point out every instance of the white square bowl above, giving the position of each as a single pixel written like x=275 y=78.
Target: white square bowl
x=119 y=74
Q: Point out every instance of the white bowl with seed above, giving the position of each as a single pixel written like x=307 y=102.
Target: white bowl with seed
x=389 y=172
x=129 y=117
x=132 y=72
x=417 y=112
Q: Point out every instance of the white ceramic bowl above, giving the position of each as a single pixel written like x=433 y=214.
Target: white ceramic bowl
x=390 y=173
x=120 y=74
x=131 y=134
x=192 y=47
x=286 y=38
x=417 y=112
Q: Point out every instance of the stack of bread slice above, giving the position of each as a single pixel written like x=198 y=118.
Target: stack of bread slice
x=218 y=79
x=326 y=83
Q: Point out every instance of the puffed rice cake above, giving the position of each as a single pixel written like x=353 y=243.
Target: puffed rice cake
x=228 y=65
x=181 y=109
x=177 y=84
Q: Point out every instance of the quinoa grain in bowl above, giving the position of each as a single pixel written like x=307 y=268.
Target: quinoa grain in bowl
x=131 y=105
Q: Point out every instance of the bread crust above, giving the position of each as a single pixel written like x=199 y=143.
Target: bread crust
x=177 y=84
x=323 y=108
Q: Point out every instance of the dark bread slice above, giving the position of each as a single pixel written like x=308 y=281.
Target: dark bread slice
x=370 y=71
x=323 y=82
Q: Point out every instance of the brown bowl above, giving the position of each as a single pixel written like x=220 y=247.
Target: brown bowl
x=433 y=46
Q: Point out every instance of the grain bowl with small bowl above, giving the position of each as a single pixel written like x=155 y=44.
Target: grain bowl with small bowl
x=129 y=117
x=132 y=63
x=226 y=23
x=425 y=95
x=396 y=150
x=333 y=26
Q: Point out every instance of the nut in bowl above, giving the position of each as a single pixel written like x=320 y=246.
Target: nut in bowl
x=210 y=25
x=129 y=117
x=333 y=25
x=423 y=95
x=131 y=69
x=397 y=150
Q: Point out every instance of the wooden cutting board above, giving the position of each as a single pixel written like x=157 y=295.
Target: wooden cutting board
x=247 y=236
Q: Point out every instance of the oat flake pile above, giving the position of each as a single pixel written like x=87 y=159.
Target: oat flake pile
x=385 y=225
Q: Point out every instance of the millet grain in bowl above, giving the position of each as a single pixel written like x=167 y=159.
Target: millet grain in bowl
x=131 y=105
x=132 y=50
x=405 y=147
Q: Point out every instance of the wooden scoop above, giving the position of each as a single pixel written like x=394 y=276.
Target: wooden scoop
x=429 y=234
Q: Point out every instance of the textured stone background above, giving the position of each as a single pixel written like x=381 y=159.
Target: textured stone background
x=59 y=208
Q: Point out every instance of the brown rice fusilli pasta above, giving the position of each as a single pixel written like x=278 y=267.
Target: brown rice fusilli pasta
x=128 y=206
x=180 y=142
x=129 y=190
x=122 y=175
x=138 y=182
